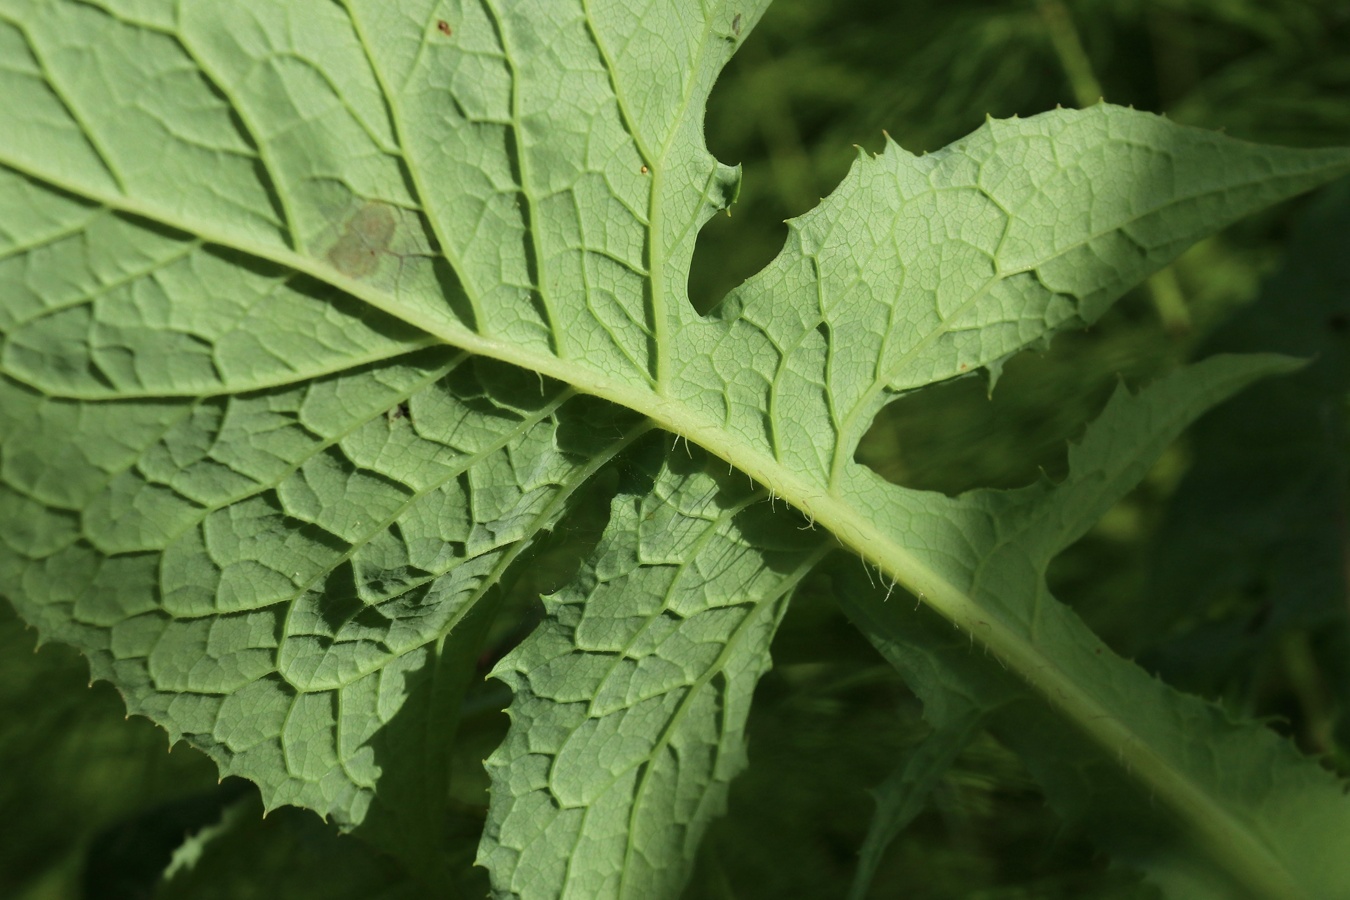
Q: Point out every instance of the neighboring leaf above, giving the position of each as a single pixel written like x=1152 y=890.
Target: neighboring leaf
x=127 y=859
x=287 y=854
x=631 y=697
x=903 y=794
x=298 y=300
x=77 y=769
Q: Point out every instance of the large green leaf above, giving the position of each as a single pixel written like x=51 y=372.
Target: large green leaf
x=304 y=311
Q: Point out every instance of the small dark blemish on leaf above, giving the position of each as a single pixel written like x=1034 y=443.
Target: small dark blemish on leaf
x=443 y=27
x=400 y=411
x=736 y=24
x=645 y=170
x=357 y=252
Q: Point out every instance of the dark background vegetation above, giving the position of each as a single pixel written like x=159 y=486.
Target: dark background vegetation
x=1225 y=571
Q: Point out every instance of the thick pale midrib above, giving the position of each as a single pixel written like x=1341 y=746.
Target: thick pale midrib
x=1230 y=843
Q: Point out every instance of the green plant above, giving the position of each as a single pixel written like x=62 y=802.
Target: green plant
x=314 y=354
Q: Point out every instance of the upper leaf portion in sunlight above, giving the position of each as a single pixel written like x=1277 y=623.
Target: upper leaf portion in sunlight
x=920 y=269
x=533 y=172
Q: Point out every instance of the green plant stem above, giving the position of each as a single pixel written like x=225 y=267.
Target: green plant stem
x=1087 y=90
x=1170 y=301
x=1300 y=668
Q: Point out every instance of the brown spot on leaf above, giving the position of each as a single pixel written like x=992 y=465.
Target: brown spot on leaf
x=443 y=27
x=357 y=252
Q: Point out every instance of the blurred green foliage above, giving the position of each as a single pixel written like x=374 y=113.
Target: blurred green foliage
x=101 y=809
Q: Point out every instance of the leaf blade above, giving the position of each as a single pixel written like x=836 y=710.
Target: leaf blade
x=631 y=698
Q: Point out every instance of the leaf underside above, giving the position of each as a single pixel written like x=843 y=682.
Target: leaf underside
x=315 y=316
